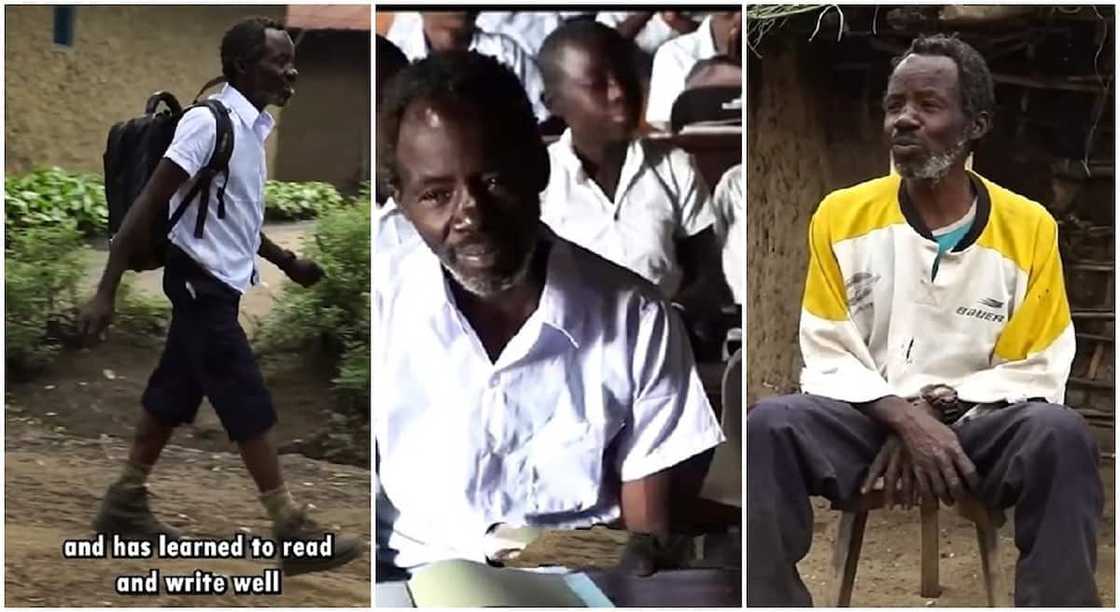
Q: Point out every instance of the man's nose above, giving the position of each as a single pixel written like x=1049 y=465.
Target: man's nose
x=906 y=119
x=291 y=74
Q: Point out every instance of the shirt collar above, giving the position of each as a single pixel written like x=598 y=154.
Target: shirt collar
x=635 y=157
x=563 y=305
x=244 y=109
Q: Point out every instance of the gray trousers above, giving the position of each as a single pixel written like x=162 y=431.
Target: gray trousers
x=1038 y=457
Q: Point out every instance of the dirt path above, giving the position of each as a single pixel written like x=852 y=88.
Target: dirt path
x=66 y=436
x=888 y=569
x=53 y=483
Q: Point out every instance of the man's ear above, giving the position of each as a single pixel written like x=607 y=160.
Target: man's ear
x=539 y=168
x=980 y=126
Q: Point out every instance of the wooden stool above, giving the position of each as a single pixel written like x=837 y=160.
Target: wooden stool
x=849 y=540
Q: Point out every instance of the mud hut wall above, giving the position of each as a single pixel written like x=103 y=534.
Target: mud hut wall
x=805 y=138
x=327 y=127
x=60 y=101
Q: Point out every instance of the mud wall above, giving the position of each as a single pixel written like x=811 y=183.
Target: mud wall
x=805 y=138
x=326 y=132
x=61 y=101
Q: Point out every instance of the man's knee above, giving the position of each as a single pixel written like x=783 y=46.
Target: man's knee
x=772 y=414
x=1061 y=425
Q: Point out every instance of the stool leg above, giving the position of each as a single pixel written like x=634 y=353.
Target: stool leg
x=845 y=555
x=987 y=537
x=931 y=581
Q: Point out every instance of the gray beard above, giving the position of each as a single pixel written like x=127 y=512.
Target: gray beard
x=935 y=167
x=485 y=287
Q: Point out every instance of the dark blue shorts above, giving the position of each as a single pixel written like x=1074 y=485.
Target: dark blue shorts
x=206 y=354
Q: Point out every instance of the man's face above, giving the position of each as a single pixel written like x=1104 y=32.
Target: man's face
x=924 y=121
x=272 y=78
x=598 y=94
x=449 y=31
x=463 y=189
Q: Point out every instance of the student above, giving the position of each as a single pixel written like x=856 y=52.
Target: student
x=207 y=352
x=640 y=204
x=717 y=35
x=532 y=382
x=932 y=277
x=729 y=203
x=418 y=34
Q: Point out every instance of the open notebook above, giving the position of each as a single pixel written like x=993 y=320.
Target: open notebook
x=458 y=583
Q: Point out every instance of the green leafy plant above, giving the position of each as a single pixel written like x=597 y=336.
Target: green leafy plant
x=53 y=198
x=291 y=201
x=42 y=268
x=334 y=313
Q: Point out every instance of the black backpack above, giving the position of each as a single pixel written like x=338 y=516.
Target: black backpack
x=132 y=152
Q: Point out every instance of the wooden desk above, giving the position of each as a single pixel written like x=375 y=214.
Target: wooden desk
x=692 y=588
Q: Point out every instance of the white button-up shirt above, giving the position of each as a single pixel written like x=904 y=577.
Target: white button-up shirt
x=407 y=33
x=228 y=247
x=660 y=198
x=671 y=65
x=653 y=34
x=597 y=387
x=729 y=202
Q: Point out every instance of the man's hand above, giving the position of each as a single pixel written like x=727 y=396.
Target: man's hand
x=647 y=553
x=304 y=271
x=894 y=465
x=95 y=317
x=941 y=467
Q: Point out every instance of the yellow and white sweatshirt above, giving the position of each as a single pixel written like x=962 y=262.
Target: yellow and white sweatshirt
x=994 y=324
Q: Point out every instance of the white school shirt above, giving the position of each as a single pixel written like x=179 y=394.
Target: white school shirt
x=671 y=65
x=660 y=198
x=228 y=247
x=407 y=33
x=729 y=203
x=597 y=387
x=527 y=28
x=653 y=34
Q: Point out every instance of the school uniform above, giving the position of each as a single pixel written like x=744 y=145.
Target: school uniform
x=660 y=198
x=889 y=307
x=207 y=352
x=598 y=387
x=671 y=65
x=407 y=33
x=729 y=205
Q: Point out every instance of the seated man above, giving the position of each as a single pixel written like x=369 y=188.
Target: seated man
x=935 y=277
x=638 y=203
x=519 y=379
x=718 y=34
x=418 y=34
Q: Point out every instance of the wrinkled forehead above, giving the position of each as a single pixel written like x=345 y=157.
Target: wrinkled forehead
x=446 y=133
x=937 y=72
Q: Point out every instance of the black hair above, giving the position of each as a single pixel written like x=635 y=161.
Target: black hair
x=974 y=79
x=584 y=33
x=245 y=42
x=390 y=60
x=462 y=78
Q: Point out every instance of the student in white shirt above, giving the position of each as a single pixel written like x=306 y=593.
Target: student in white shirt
x=729 y=202
x=674 y=60
x=519 y=379
x=648 y=29
x=207 y=352
x=528 y=28
x=418 y=34
x=638 y=203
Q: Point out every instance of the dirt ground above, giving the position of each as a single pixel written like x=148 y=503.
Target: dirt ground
x=66 y=435
x=888 y=573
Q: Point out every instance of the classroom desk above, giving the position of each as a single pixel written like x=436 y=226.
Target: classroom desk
x=690 y=588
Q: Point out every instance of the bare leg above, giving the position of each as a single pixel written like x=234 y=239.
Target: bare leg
x=151 y=436
x=260 y=459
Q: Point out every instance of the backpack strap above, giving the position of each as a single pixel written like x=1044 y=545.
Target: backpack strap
x=218 y=164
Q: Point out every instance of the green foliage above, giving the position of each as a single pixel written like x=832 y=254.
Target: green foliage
x=334 y=313
x=55 y=198
x=291 y=201
x=42 y=268
x=140 y=314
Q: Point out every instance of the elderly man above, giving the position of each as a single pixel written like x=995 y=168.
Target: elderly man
x=520 y=380
x=934 y=278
